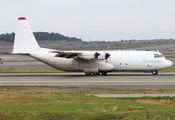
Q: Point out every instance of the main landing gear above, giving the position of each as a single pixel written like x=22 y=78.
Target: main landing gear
x=103 y=73
x=155 y=72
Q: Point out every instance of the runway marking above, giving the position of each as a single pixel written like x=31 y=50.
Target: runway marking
x=93 y=81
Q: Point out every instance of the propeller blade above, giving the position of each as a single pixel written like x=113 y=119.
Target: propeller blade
x=96 y=55
x=107 y=55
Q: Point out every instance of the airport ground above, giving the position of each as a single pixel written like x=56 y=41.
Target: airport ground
x=72 y=95
x=20 y=63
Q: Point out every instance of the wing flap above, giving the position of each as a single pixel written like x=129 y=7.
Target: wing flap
x=66 y=54
x=87 y=55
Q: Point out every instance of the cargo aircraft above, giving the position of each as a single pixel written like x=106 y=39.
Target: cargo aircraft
x=90 y=62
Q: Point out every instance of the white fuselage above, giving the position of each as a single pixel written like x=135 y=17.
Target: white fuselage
x=118 y=61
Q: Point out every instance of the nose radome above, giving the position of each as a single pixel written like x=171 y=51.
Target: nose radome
x=168 y=63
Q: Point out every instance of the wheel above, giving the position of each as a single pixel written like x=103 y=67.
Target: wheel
x=104 y=73
x=96 y=73
x=155 y=72
x=87 y=73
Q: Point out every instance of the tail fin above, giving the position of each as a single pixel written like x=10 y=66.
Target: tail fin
x=25 y=41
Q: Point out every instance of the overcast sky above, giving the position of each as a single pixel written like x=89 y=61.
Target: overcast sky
x=93 y=19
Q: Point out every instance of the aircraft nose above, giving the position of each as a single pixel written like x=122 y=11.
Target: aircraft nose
x=168 y=63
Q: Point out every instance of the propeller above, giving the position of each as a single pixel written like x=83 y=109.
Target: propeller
x=107 y=55
x=96 y=55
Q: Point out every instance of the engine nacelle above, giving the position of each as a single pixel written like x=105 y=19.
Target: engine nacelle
x=87 y=56
x=100 y=55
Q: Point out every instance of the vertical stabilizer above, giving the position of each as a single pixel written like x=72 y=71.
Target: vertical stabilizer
x=25 y=41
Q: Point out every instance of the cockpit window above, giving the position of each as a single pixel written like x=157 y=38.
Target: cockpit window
x=158 y=55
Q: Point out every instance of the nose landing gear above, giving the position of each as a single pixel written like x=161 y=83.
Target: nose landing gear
x=155 y=72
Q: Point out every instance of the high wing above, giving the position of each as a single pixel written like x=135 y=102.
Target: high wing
x=88 y=55
x=67 y=54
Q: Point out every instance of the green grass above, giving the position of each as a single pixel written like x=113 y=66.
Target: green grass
x=15 y=104
x=170 y=53
x=168 y=70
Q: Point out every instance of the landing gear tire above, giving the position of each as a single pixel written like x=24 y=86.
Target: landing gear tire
x=104 y=73
x=96 y=73
x=88 y=73
x=155 y=72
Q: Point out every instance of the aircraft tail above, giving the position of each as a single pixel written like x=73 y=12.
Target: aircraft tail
x=25 y=41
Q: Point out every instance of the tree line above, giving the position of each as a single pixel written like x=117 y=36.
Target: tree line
x=40 y=36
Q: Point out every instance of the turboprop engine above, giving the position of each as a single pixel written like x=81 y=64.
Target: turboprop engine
x=86 y=55
x=100 y=55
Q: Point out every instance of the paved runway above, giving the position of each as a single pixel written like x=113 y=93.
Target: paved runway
x=112 y=80
x=133 y=95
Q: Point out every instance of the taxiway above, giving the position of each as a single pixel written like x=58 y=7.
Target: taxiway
x=112 y=80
